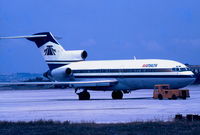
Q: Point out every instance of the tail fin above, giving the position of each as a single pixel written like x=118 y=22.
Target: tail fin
x=53 y=53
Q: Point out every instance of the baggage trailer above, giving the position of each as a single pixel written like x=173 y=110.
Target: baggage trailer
x=162 y=91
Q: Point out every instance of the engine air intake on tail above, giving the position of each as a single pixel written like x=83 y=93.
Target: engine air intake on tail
x=76 y=54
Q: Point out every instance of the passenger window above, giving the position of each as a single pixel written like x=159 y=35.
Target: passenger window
x=175 y=69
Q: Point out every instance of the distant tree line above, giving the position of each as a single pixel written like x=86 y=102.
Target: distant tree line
x=37 y=79
x=41 y=79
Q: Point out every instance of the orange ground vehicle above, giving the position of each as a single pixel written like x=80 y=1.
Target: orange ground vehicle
x=163 y=91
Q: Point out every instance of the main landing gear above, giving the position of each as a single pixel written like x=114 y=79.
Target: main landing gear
x=117 y=94
x=84 y=95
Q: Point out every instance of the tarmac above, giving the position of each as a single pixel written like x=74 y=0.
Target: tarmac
x=63 y=105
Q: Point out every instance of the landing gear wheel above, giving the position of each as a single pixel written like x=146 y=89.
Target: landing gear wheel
x=84 y=95
x=184 y=97
x=160 y=97
x=174 y=97
x=117 y=95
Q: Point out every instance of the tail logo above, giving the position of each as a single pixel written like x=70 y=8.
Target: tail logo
x=49 y=50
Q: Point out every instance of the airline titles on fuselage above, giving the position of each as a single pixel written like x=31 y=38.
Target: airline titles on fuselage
x=149 y=65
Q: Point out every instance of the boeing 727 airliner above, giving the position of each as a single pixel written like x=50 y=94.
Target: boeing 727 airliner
x=119 y=76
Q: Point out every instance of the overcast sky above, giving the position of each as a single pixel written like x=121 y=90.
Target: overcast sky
x=107 y=29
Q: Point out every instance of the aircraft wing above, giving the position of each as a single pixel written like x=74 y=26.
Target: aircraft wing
x=93 y=83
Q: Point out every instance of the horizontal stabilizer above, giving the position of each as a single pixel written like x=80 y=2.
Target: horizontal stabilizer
x=31 y=36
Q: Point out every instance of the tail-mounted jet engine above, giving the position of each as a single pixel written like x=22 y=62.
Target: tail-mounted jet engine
x=62 y=74
x=76 y=55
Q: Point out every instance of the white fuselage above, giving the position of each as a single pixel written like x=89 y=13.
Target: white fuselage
x=130 y=74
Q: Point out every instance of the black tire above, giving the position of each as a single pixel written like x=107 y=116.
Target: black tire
x=84 y=95
x=160 y=97
x=174 y=97
x=117 y=95
x=184 y=97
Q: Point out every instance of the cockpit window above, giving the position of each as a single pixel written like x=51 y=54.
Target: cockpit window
x=188 y=69
x=180 y=69
x=183 y=69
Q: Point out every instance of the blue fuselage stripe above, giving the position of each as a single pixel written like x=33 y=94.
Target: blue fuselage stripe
x=135 y=76
x=62 y=61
